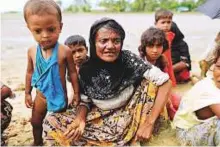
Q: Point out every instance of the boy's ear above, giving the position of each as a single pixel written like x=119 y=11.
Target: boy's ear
x=61 y=26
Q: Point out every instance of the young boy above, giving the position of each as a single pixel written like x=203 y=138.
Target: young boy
x=77 y=45
x=47 y=64
x=163 y=21
x=153 y=45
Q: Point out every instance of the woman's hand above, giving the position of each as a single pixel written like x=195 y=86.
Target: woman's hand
x=75 y=129
x=145 y=131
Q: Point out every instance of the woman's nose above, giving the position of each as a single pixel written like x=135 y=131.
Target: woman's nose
x=110 y=44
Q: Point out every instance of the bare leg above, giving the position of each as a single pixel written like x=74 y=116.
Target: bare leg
x=38 y=114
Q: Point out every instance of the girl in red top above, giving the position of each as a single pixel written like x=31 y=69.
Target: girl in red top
x=152 y=49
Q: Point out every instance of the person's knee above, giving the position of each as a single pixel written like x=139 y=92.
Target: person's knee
x=36 y=122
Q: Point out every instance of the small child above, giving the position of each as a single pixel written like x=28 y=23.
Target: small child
x=163 y=21
x=208 y=58
x=77 y=45
x=153 y=45
x=47 y=64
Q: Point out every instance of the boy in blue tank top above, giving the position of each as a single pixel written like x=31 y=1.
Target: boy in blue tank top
x=47 y=64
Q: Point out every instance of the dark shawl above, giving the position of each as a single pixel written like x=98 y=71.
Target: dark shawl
x=103 y=80
x=179 y=48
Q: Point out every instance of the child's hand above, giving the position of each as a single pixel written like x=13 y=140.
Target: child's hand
x=76 y=99
x=28 y=101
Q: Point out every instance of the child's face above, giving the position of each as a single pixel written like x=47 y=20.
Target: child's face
x=164 y=24
x=216 y=73
x=153 y=52
x=45 y=29
x=79 y=53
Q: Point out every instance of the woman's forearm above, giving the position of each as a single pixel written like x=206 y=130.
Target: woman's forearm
x=82 y=112
x=161 y=100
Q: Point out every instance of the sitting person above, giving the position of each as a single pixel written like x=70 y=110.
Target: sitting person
x=197 y=120
x=207 y=60
x=180 y=56
x=153 y=45
x=77 y=45
x=118 y=103
x=6 y=108
x=163 y=21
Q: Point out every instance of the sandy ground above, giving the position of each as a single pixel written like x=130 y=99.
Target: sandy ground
x=199 y=31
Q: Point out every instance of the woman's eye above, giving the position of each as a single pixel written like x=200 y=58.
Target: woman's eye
x=117 y=41
x=102 y=41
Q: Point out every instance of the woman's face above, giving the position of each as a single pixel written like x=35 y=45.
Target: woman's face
x=108 y=44
x=216 y=73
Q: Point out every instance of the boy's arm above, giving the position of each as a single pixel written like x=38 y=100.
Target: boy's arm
x=73 y=75
x=28 y=87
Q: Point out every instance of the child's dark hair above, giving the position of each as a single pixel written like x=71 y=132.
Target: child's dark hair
x=76 y=40
x=40 y=7
x=149 y=38
x=162 y=13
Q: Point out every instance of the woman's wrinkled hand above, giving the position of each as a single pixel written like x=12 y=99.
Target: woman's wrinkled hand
x=75 y=130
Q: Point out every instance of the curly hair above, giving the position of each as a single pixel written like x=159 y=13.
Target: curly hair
x=149 y=38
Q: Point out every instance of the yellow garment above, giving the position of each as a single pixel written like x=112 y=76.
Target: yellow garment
x=203 y=94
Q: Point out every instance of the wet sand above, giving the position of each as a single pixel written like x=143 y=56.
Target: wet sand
x=199 y=31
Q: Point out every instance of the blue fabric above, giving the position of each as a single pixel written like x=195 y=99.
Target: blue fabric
x=46 y=78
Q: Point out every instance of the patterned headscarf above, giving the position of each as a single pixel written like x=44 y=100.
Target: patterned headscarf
x=103 y=80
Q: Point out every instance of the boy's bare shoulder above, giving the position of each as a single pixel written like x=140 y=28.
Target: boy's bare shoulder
x=32 y=50
x=64 y=47
x=64 y=50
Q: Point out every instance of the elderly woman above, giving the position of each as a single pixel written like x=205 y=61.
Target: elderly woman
x=118 y=103
x=198 y=117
